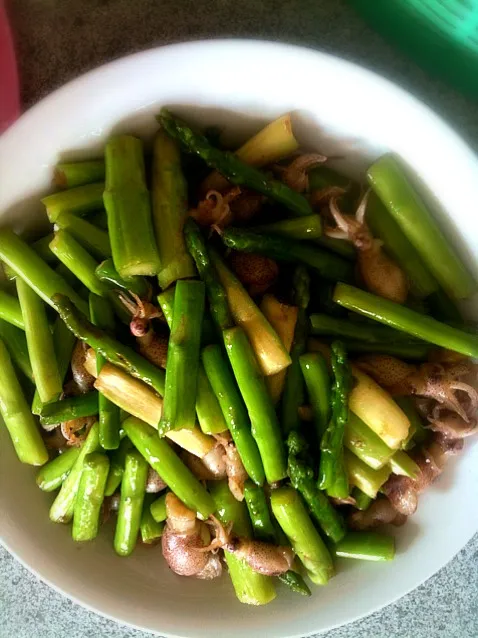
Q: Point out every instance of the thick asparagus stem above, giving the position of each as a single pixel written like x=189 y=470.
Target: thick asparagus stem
x=79 y=201
x=62 y=507
x=42 y=248
x=89 y=499
x=251 y=587
x=133 y=488
x=265 y=426
x=150 y=529
x=16 y=344
x=170 y=468
x=414 y=350
x=72 y=174
x=234 y=169
x=111 y=349
x=16 y=414
x=363 y=476
x=332 y=474
x=302 y=478
x=385 y=227
x=317 y=380
x=117 y=461
x=37 y=274
x=322 y=324
x=268 y=348
x=208 y=410
x=158 y=508
x=309 y=227
x=40 y=343
x=409 y=321
x=92 y=238
x=180 y=392
x=365 y=444
x=234 y=411
x=408 y=209
x=63 y=343
x=78 y=260
x=127 y=203
x=264 y=530
x=366 y=546
x=294 y=520
x=68 y=409
x=106 y=273
x=101 y=315
x=170 y=210
x=362 y=501
x=327 y=265
x=10 y=310
x=52 y=474
x=294 y=392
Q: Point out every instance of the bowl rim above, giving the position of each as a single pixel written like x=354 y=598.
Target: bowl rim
x=48 y=106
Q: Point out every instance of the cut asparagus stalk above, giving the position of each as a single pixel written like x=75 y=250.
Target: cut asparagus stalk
x=71 y=174
x=79 y=201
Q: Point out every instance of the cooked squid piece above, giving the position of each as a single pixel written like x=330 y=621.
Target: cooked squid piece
x=264 y=558
x=151 y=345
x=296 y=174
x=235 y=471
x=256 y=272
x=215 y=208
x=76 y=430
x=379 y=272
x=186 y=543
x=381 y=512
x=83 y=380
x=154 y=483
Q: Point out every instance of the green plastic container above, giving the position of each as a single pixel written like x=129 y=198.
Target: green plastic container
x=441 y=35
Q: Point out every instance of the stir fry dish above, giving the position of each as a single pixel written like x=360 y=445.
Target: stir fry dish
x=242 y=357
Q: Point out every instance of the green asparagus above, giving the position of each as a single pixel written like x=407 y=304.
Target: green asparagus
x=51 y=476
x=317 y=380
x=150 y=529
x=106 y=273
x=130 y=509
x=158 y=509
x=68 y=409
x=10 y=310
x=80 y=200
x=309 y=227
x=16 y=344
x=366 y=546
x=92 y=238
x=71 y=174
x=117 y=461
x=89 y=499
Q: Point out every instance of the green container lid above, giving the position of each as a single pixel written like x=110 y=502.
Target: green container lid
x=442 y=35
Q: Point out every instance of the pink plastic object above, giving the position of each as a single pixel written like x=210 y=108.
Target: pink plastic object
x=9 y=94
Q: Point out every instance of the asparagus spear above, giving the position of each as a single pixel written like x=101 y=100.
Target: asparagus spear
x=109 y=413
x=168 y=465
x=52 y=474
x=328 y=266
x=68 y=409
x=264 y=530
x=406 y=206
x=42 y=249
x=322 y=324
x=417 y=433
x=91 y=492
x=18 y=419
x=365 y=444
x=127 y=203
x=234 y=411
x=37 y=274
x=400 y=463
x=62 y=507
x=116 y=471
x=111 y=349
x=183 y=357
x=106 y=273
x=40 y=343
x=402 y=318
x=366 y=546
x=317 y=380
x=92 y=238
x=272 y=143
x=10 y=310
x=309 y=227
x=16 y=344
x=290 y=512
x=78 y=260
x=209 y=413
x=332 y=474
x=158 y=508
x=130 y=509
x=294 y=392
x=268 y=348
x=217 y=295
x=251 y=587
x=362 y=500
x=414 y=350
x=63 y=344
x=385 y=227
x=302 y=478
x=363 y=476
x=80 y=200
x=265 y=426
x=71 y=174
x=232 y=167
x=150 y=529
x=170 y=210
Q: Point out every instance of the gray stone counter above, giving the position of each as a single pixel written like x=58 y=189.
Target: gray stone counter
x=59 y=39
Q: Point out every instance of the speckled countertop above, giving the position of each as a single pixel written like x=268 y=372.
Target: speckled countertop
x=59 y=39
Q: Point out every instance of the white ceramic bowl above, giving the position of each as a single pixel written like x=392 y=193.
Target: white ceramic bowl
x=338 y=108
